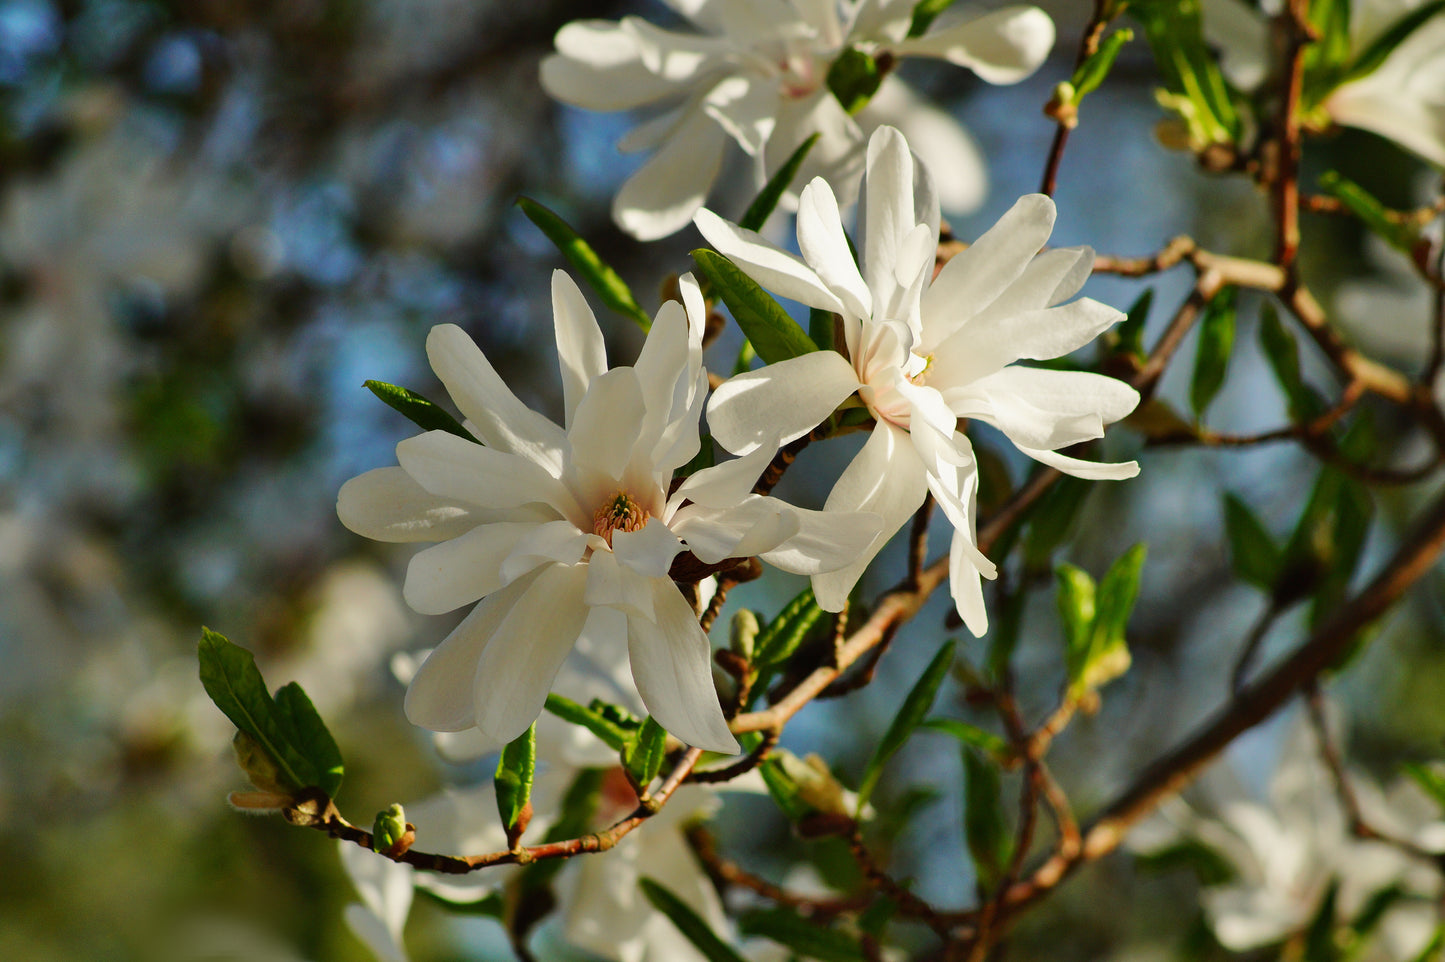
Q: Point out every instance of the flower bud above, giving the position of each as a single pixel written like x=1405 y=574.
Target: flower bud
x=388 y=829
x=744 y=631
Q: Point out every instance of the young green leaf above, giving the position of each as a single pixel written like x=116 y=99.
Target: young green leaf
x=777 y=642
x=608 y=284
x=1091 y=73
x=971 y=736
x=763 y=205
x=513 y=780
x=924 y=13
x=230 y=677
x=1374 y=215
x=418 y=410
x=820 y=328
x=1130 y=331
x=1216 y=343
x=1189 y=69
x=985 y=827
x=644 y=754
x=854 y=78
x=914 y=709
x=1076 y=593
x=806 y=938
x=784 y=790
x=1114 y=602
x=772 y=333
x=1252 y=552
x=693 y=928
x=308 y=733
x=602 y=724
x=1282 y=352
x=387 y=828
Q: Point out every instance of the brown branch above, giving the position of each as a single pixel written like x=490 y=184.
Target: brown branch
x=1293 y=30
x=907 y=902
x=1067 y=119
x=1170 y=773
x=740 y=767
x=726 y=872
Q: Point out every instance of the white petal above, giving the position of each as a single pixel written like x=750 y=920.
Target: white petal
x=516 y=668
x=663 y=376
x=1002 y=47
x=953 y=480
x=1040 y=408
x=452 y=467
x=615 y=585
x=941 y=144
x=386 y=504
x=442 y=693
x=837 y=156
x=746 y=107
x=599 y=66
x=581 y=353
x=457 y=572
x=661 y=197
x=757 y=524
x=986 y=344
x=965 y=583
x=825 y=248
x=497 y=417
x=825 y=541
x=674 y=56
x=371 y=930
x=648 y=551
x=780 y=402
x=1088 y=470
x=605 y=427
x=773 y=268
x=975 y=276
x=724 y=485
x=671 y=663
x=886 y=478
x=885 y=209
x=556 y=542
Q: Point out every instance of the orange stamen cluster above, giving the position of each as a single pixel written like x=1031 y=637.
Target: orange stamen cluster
x=618 y=513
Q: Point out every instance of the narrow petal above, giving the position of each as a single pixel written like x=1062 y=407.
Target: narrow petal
x=885 y=208
x=661 y=197
x=757 y=524
x=825 y=541
x=1041 y=408
x=598 y=66
x=455 y=468
x=825 y=248
x=976 y=275
x=837 y=156
x=612 y=584
x=556 y=542
x=457 y=572
x=1079 y=468
x=724 y=485
x=953 y=481
x=496 y=415
x=664 y=378
x=746 y=107
x=886 y=478
x=581 y=353
x=605 y=428
x=516 y=668
x=671 y=663
x=773 y=268
x=386 y=504
x=675 y=56
x=1002 y=47
x=780 y=402
x=989 y=343
x=939 y=141
x=965 y=584
x=649 y=551
x=442 y=693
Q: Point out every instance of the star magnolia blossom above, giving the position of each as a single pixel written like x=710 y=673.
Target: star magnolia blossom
x=922 y=355
x=1403 y=99
x=757 y=73
x=571 y=533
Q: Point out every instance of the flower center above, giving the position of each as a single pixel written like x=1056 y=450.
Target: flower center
x=799 y=70
x=916 y=369
x=618 y=513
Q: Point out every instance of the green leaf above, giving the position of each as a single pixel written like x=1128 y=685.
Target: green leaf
x=807 y=938
x=763 y=205
x=229 y=675
x=971 y=735
x=1380 y=49
x=604 y=725
x=773 y=334
x=693 y=928
x=854 y=78
x=924 y=13
x=820 y=328
x=1052 y=519
x=914 y=709
x=418 y=410
x=1319 y=940
x=1252 y=552
x=608 y=284
x=776 y=643
x=784 y=790
x=1076 y=593
x=1352 y=515
x=1091 y=73
x=308 y=733
x=985 y=827
x=1430 y=779
x=1209 y=866
x=1432 y=950
x=1189 y=69
x=1130 y=331
x=574 y=818
x=513 y=780
x=1373 y=214
x=1282 y=352
x=1216 y=343
x=1116 y=596
x=644 y=754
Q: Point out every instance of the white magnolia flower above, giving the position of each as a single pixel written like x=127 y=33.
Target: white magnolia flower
x=922 y=355
x=756 y=72
x=1403 y=99
x=566 y=533
x=385 y=888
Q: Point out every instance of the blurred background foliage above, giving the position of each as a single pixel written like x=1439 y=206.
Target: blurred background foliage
x=218 y=217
